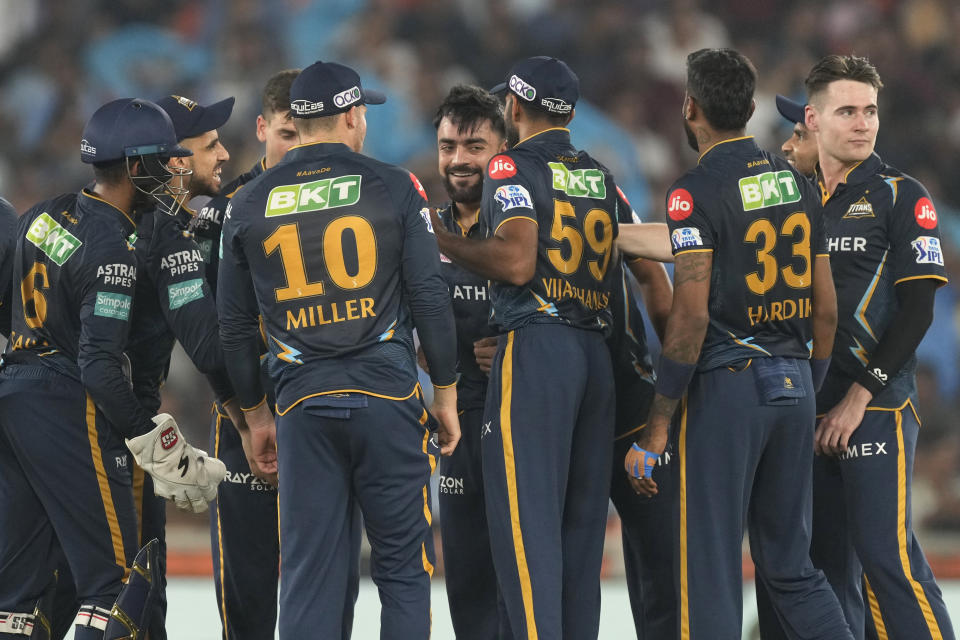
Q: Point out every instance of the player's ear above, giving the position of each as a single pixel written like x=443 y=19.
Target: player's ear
x=689 y=107
x=810 y=118
x=573 y=112
x=753 y=106
x=503 y=146
x=261 y=128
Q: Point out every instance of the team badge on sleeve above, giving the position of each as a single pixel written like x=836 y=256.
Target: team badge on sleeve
x=501 y=167
x=925 y=214
x=679 y=204
x=928 y=250
x=425 y=214
x=513 y=196
x=686 y=237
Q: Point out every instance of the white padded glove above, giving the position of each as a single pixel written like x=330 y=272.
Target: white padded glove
x=180 y=472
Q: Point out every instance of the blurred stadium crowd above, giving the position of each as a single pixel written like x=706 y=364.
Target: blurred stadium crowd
x=60 y=59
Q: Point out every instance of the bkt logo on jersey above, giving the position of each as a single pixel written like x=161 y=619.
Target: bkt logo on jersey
x=579 y=183
x=522 y=89
x=47 y=235
x=512 y=196
x=313 y=196
x=347 y=97
x=768 y=190
x=928 y=250
x=686 y=237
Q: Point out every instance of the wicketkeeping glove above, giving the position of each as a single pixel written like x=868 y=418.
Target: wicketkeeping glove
x=180 y=472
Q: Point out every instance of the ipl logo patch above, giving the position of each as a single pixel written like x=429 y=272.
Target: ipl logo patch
x=928 y=250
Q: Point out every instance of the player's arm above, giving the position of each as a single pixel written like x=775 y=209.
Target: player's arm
x=190 y=310
x=656 y=290
x=686 y=328
x=429 y=301
x=897 y=344
x=824 y=318
x=649 y=240
x=240 y=338
x=8 y=243
x=509 y=255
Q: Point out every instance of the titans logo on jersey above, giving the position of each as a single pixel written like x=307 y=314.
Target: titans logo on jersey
x=761 y=221
x=573 y=200
x=882 y=229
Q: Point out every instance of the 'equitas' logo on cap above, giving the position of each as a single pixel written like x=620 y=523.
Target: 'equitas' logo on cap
x=347 y=97
x=556 y=105
x=86 y=147
x=305 y=107
x=522 y=89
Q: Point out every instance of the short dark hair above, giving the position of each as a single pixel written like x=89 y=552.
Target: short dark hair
x=833 y=67
x=276 y=93
x=722 y=82
x=111 y=172
x=553 y=119
x=468 y=106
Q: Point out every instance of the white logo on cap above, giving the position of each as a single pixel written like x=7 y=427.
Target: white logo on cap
x=556 y=105
x=306 y=107
x=347 y=97
x=186 y=103
x=522 y=89
x=85 y=147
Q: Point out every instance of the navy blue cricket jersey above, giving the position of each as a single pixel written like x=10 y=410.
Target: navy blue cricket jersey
x=573 y=200
x=881 y=230
x=207 y=224
x=8 y=246
x=471 y=308
x=172 y=302
x=331 y=247
x=77 y=274
x=762 y=222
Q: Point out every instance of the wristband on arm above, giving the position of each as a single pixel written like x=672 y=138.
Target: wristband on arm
x=673 y=377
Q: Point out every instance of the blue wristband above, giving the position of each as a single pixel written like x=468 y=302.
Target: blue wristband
x=818 y=368
x=673 y=377
x=649 y=462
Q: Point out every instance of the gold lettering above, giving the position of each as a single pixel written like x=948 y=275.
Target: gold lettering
x=776 y=309
x=805 y=303
x=295 y=322
x=336 y=315
x=366 y=307
x=320 y=319
x=351 y=309
x=789 y=309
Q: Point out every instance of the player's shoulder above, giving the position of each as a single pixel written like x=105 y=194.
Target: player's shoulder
x=905 y=190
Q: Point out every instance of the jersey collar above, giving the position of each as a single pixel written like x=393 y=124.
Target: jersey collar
x=553 y=134
x=90 y=201
x=311 y=150
x=448 y=215
x=857 y=174
x=730 y=146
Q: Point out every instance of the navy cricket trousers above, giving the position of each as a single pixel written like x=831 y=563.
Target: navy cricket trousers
x=547 y=440
x=337 y=453
x=744 y=460
x=244 y=540
x=66 y=482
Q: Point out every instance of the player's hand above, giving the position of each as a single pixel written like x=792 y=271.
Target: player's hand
x=422 y=360
x=638 y=463
x=435 y=222
x=483 y=350
x=833 y=433
x=263 y=442
x=232 y=407
x=444 y=409
x=180 y=472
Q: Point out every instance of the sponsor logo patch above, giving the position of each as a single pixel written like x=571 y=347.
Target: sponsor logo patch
x=925 y=214
x=679 y=204
x=556 y=105
x=112 y=305
x=47 y=235
x=312 y=196
x=522 y=89
x=86 y=147
x=168 y=438
x=181 y=293
x=425 y=214
x=579 y=183
x=347 y=97
x=419 y=187
x=686 y=237
x=513 y=196
x=768 y=190
x=501 y=167
x=859 y=209
x=306 y=107
x=186 y=103
x=928 y=250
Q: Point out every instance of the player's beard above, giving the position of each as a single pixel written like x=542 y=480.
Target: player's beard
x=204 y=186
x=691 y=136
x=513 y=134
x=470 y=194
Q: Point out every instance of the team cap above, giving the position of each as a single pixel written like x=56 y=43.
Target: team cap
x=545 y=83
x=791 y=110
x=191 y=119
x=328 y=88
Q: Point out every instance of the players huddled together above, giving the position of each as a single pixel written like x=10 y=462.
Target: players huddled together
x=310 y=288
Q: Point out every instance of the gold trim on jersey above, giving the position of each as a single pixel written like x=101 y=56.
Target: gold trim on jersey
x=366 y=393
x=256 y=406
x=931 y=276
x=93 y=196
x=631 y=432
x=534 y=135
x=106 y=496
x=427 y=565
x=223 y=580
x=715 y=144
x=874 y=608
x=684 y=587
x=533 y=220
